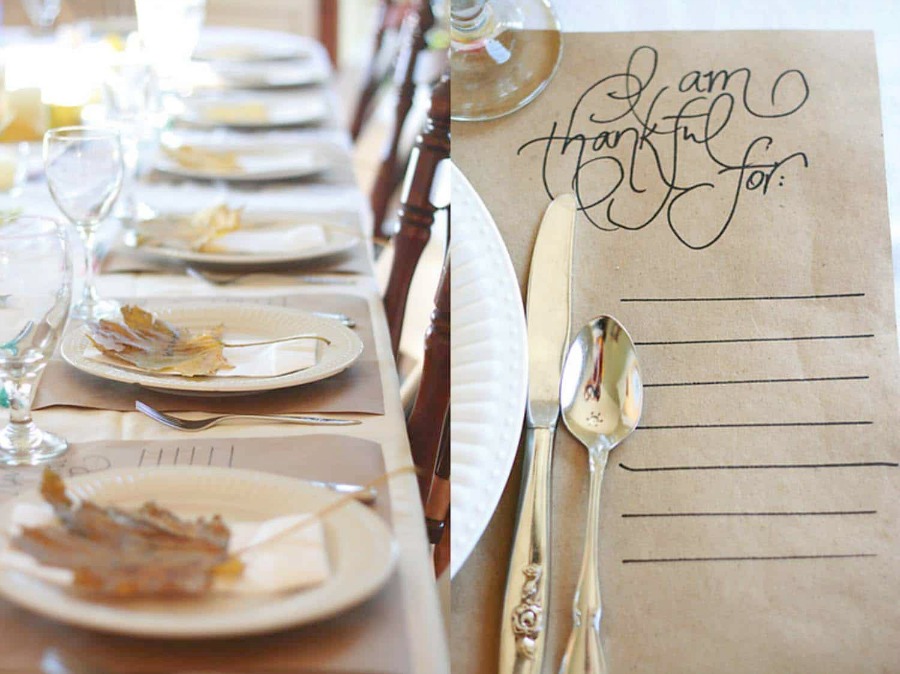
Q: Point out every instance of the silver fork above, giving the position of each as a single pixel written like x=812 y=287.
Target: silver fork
x=220 y=278
x=202 y=424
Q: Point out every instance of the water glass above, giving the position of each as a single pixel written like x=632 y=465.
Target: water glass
x=169 y=31
x=84 y=170
x=35 y=293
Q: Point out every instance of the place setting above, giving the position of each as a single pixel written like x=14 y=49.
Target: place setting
x=707 y=374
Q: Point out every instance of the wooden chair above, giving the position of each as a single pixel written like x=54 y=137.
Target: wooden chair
x=416 y=210
x=389 y=16
x=437 y=505
x=426 y=420
x=415 y=25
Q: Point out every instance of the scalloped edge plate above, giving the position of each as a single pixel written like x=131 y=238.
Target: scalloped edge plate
x=361 y=549
x=488 y=368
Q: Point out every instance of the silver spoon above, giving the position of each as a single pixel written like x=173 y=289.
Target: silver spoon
x=601 y=396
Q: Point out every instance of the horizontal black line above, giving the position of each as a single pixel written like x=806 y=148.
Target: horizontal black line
x=741 y=298
x=787 y=380
x=782 y=424
x=764 y=466
x=798 y=513
x=748 y=340
x=750 y=558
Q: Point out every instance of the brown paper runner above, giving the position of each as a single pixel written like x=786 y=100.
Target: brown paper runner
x=357 y=389
x=369 y=639
x=751 y=523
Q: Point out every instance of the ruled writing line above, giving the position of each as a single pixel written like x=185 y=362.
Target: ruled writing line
x=749 y=558
x=786 y=380
x=749 y=340
x=798 y=513
x=763 y=466
x=780 y=424
x=746 y=298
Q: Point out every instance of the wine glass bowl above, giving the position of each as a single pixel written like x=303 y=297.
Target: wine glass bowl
x=84 y=169
x=503 y=54
x=35 y=294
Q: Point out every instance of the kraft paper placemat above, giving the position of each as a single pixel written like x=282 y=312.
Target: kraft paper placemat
x=356 y=389
x=369 y=639
x=734 y=219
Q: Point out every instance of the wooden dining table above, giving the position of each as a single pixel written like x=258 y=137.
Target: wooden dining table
x=413 y=585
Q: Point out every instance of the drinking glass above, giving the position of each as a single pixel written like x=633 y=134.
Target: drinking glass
x=502 y=55
x=84 y=170
x=169 y=31
x=35 y=293
x=132 y=106
x=42 y=13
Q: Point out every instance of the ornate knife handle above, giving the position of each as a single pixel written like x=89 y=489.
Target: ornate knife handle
x=522 y=633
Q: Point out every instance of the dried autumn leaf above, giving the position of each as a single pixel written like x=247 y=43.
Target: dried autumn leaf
x=204 y=159
x=198 y=233
x=128 y=553
x=151 y=344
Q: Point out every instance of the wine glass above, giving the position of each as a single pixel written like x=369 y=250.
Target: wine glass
x=169 y=32
x=84 y=170
x=42 y=13
x=502 y=55
x=130 y=96
x=35 y=293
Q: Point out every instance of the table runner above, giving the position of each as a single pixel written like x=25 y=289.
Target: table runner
x=369 y=639
x=751 y=524
x=357 y=389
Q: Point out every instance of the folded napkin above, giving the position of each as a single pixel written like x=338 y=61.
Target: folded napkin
x=276 y=240
x=269 y=360
x=293 y=561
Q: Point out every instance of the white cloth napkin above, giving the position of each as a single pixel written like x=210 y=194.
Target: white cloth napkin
x=270 y=360
x=294 y=561
x=280 y=240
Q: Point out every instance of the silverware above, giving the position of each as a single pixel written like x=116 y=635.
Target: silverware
x=360 y=492
x=277 y=340
x=522 y=633
x=207 y=422
x=602 y=397
x=220 y=278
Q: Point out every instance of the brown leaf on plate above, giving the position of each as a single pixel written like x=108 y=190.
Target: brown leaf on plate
x=116 y=552
x=151 y=344
x=204 y=159
x=197 y=233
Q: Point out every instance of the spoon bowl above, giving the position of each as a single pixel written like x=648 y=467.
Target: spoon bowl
x=602 y=395
x=601 y=391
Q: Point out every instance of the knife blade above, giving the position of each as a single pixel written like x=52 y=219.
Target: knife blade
x=548 y=305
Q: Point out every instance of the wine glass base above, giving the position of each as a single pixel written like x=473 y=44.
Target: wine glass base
x=42 y=447
x=505 y=73
x=94 y=311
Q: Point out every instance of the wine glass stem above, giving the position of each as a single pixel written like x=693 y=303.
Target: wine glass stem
x=19 y=388
x=468 y=16
x=89 y=296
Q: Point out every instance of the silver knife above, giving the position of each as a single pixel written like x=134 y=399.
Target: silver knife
x=523 y=633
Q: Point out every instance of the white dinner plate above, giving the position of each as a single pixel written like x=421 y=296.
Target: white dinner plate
x=361 y=551
x=488 y=368
x=239 y=111
x=259 y=163
x=241 y=322
x=337 y=240
x=229 y=45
